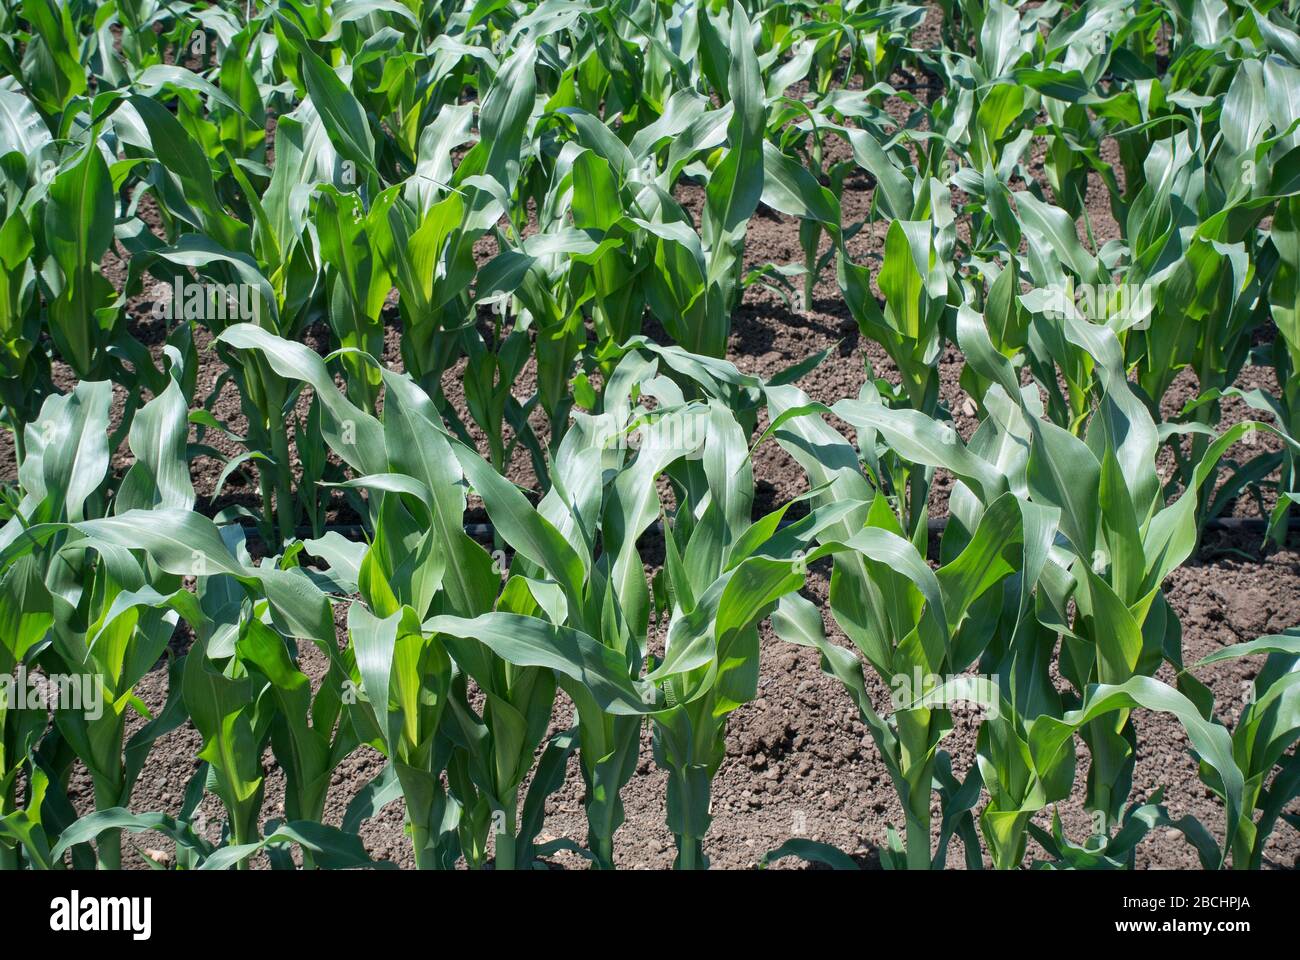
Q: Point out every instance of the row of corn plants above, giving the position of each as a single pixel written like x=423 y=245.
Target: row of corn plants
x=548 y=204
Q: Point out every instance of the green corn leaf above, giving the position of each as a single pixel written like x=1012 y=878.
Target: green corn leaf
x=1048 y=735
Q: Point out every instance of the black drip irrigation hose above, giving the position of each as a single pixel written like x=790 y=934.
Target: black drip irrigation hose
x=483 y=532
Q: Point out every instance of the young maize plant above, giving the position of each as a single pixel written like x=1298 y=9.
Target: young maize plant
x=874 y=38
x=599 y=505
x=724 y=574
x=238 y=685
x=916 y=285
x=598 y=623
x=1187 y=250
x=414 y=704
x=26 y=148
x=84 y=610
x=1267 y=728
x=905 y=619
x=916 y=288
x=432 y=225
x=231 y=264
x=99 y=573
x=1006 y=513
x=1284 y=300
x=1122 y=543
x=690 y=281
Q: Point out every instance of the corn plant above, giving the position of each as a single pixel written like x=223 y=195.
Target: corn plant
x=430 y=232
x=420 y=562
x=103 y=626
x=111 y=582
x=27 y=149
x=27 y=620
x=693 y=281
x=915 y=285
x=724 y=575
x=221 y=250
x=1266 y=728
x=601 y=505
x=1123 y=539
x=904 y=618
x=1284 y=299
x=1006 y=636
x=238 y=683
